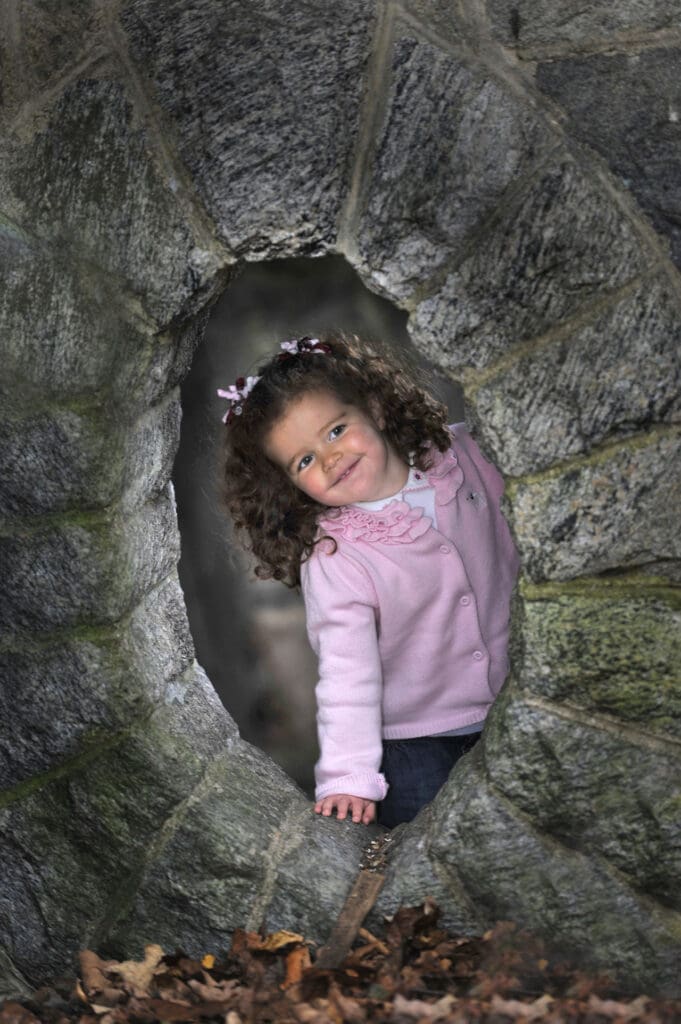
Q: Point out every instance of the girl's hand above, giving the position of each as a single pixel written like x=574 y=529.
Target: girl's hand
x=343 y=803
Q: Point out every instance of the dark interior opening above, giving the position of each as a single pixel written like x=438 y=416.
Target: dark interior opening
x=250 y=636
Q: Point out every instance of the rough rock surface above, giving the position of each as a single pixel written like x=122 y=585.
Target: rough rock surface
x=559 y=246
x=628 y=109
x=616 y=510
x=146 y=149
x=451 y=143
x=587 y=383
x=264 y=100
x=541 y=25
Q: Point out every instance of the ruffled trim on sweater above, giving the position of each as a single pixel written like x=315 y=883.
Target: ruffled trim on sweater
x=398 y=522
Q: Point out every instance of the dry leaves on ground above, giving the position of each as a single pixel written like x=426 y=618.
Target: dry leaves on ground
x=416 y=973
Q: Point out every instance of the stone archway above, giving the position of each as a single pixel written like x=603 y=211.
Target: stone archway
x=147 y=151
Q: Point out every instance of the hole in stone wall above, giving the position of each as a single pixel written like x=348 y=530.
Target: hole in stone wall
x=250 y=637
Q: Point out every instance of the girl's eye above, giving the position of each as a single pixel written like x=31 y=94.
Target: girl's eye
x=304 y=462
x=337 y=430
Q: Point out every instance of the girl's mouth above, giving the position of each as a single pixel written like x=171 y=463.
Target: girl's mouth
x=346 y=474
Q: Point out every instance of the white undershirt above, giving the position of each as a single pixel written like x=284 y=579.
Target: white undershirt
x=417 y=493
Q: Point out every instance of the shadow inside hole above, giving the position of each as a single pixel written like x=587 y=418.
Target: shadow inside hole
x=250 y=636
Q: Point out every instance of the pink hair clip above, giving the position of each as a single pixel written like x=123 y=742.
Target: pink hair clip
x=236 y=394
x=295 y=348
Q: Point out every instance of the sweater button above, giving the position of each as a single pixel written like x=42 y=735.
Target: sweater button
x=465 y=600
x=444 y=549
x=478 y=655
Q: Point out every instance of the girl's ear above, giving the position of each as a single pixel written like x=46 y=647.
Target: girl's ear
x=377 y=412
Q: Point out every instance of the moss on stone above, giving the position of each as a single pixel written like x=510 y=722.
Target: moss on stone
x=595 y=458
x=608 y=645
x=626 y=584
x=93 y=746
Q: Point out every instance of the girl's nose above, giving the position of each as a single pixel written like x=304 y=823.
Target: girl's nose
x=331 y=459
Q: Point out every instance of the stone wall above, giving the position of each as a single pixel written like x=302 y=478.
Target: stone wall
x=504 y=173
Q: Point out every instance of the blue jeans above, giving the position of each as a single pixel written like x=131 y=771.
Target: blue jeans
x=415 y=769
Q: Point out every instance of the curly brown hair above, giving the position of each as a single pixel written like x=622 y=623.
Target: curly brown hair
x=277 y=521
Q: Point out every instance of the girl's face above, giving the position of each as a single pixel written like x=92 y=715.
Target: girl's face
x=334 y=452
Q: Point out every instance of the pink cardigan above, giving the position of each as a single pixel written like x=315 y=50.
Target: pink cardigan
x=409 y=620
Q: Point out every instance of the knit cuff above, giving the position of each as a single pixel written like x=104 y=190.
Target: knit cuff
x=367 y=785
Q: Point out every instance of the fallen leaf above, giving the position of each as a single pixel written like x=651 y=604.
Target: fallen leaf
x=373 y=941
x=165 y=1010
x=350 y=1010
x=635 y=1010
x=95 y=980
x=278 y=940
x=297 y=961
x=308 y=1014
x=527 y=1011
x=208 y=961
x=422 y=1010
x=137 y=975
x=79 y=992
x=15 y=1013
x=214 y=992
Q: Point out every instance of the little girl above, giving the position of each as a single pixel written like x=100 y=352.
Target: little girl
x=346 y=479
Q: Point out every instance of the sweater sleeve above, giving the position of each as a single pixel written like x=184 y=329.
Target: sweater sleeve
x=341 y=613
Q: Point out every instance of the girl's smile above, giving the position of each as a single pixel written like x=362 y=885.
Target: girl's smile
x=335 y=452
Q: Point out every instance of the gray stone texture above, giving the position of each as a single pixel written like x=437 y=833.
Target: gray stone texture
x=84 y=459
x=410 y=876
x=610 y=377
x=264 y=100
x=49 y=306
x=73 y=849
x=577 y=901
x=285 y=869
x=88 y=184
x=605 y=647
x=540 y=25
x=451 y=143
x=628 y=107
x=594 y=790
x=452 y=21
x=40 y=42
x=619 y=510
x=86 y=573
x=561 y=245
x=63 y=697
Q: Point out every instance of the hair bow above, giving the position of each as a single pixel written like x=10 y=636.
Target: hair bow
x=236 y=394
x=299 y=347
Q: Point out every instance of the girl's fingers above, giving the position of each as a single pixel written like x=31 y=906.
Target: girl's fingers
x=360 y=810
x=369 y=812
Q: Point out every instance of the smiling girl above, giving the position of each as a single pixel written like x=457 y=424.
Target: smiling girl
x=344 y=476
